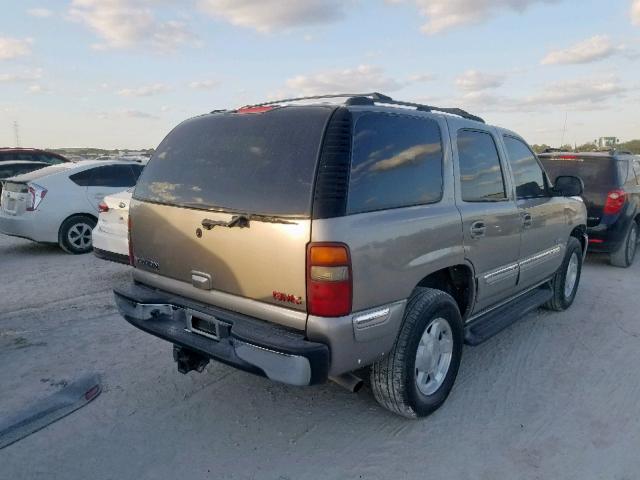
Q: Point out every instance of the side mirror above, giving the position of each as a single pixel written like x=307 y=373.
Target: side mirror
x=568 y=186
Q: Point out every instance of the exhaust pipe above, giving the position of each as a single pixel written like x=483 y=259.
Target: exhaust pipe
x=348 y=381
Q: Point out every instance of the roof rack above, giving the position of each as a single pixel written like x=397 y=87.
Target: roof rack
x=372 y=98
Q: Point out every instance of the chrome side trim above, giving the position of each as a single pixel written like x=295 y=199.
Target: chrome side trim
x=540 y=257
x=501 y=274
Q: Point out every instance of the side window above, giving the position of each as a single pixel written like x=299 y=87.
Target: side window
x=81 y=178
x=481 y=178
x=396 y=162
x=527 y=173
x=50 y=159
x=112 y=176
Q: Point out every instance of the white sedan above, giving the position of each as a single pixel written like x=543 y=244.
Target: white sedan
x=111 y=235
x=59 y=204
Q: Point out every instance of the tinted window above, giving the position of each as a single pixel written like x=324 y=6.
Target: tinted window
x=396 y=162
x=112 y=176
x=137 y=170
x=6 y=156
x=481 y=178
x=81 y=178
x=50 y=159
x=7 y=171
x=527 y=174
x=256 y=163
x=597 y=173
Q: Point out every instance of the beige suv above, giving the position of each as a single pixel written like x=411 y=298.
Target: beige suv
x=304 y=241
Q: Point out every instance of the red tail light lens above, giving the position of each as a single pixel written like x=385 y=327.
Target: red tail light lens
x=615 y=201
x=131 y=257
x=329 y=282
x=103 y=207
x=36 y=195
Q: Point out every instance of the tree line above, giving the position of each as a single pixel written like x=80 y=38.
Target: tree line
x=632 y=146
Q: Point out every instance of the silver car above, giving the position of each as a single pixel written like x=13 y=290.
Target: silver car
x=304 y=241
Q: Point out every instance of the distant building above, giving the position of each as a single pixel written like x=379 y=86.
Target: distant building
x=607 y=142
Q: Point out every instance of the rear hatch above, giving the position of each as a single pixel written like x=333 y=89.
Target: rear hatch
x=115 y=220
x=229 y=195
x=600 y=174
x=14 y=197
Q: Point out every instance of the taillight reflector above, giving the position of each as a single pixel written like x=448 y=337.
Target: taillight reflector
x=615 y=201
x=329 y=282
x=103 y=207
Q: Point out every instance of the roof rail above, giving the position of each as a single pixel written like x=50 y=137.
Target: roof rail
x=372 y=98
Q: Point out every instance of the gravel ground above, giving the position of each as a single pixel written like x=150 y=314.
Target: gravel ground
x=554 y=396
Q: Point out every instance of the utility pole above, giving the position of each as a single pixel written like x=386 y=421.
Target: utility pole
x=16 y=130
x=564 y=129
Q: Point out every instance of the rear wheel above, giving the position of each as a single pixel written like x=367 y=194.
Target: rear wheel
x=626 y=253
x=75 y=234
x=418 y=374
x=564 y=284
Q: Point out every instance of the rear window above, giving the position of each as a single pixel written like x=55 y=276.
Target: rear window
x=261 y=163
x=40 y=173
x=597 y=173
x=396 y=162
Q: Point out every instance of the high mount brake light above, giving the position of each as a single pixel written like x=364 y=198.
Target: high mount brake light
x=615 y=201
x=256 y=109
x=329 y=282
x=36 y=195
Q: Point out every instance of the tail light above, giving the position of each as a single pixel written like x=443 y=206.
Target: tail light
x=131 y=257
x=615 y=201
x=103 y=207
x=36 y=195
x=329 y=282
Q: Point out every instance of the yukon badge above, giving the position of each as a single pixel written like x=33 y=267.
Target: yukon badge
x=152 y=264
x=287 y=298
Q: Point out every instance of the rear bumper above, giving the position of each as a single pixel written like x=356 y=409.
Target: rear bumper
x=29 y=225
x=607 y=238
x=109 y=242
x=111 y=256
x=243 y=342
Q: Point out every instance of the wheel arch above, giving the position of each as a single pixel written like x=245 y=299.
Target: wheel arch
x=456 y=280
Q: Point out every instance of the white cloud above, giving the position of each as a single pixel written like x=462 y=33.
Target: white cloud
x=269 y=15
x=125 y=23
x=40 y=12
x=11 y=48
x=635 y=12
x=592 y=49
x=446 y=14
x=421 y=78
x=585 y=92
x=23 y=76
x=473 y=80
x=364 y=78
x=204 y=84
x=36 y=88
x=143 y=91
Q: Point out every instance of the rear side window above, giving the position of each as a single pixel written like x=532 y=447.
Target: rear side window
x=112 y=176
x=12 y=170
x=396 y=162
x=481 y=178
x=261 y=163
x=527 y=174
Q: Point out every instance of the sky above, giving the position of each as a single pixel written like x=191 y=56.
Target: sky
x=122 y=73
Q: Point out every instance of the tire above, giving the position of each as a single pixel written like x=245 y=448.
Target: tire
x=571 y=268
x=394 y=379
x=626 y=253
x=75 y=234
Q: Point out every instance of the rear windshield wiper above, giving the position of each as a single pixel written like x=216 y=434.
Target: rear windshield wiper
x=243 y=221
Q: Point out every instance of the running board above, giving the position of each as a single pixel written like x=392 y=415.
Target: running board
x=493 y=322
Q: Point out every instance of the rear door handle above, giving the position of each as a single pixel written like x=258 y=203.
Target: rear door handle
x=527 y=221
x=478 y=229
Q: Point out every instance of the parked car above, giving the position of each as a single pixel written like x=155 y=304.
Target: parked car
x=59 y=203
x=306 y=241
x=612 y=196
x=11 y=168
x=111 y=234
x=31 y=155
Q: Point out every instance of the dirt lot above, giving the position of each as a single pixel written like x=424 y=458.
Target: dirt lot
x=554 y=396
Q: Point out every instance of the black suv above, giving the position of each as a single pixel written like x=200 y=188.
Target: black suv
x=612 y=196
